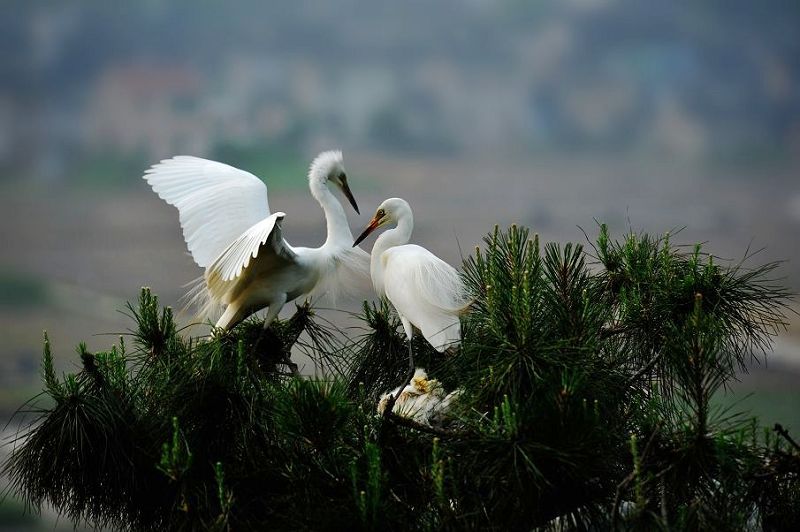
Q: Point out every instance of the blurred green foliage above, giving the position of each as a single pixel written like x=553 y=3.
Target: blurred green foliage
x=20 y=290
x=277 y=167
x=13 y=516
x=769 y=405
x=101 y=170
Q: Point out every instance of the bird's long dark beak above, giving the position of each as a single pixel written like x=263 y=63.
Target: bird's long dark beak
x=371 y=226
x=349 y=195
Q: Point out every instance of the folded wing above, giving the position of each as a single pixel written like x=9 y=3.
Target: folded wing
x=427 y=291
x=263 y=241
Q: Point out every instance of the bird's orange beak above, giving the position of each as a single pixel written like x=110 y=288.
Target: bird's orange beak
x=371 y=226
x=349 y=195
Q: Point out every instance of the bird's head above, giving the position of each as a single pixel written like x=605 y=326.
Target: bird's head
x=328 y=167
x=389 y=212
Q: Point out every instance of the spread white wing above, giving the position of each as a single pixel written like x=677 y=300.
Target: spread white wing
x=216 y=202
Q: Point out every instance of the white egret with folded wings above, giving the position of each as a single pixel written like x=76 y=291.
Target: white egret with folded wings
x=426 y=292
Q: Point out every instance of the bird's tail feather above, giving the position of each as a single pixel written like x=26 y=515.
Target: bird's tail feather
x=198 y=301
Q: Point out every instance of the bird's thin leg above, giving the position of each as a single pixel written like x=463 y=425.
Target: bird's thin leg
x=410 y=358
x=411 y=369
x=409 y=330
x=274 y=309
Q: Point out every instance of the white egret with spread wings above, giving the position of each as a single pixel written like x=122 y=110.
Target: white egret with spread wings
x=230 y=231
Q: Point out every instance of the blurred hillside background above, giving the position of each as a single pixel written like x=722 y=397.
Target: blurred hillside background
x=556 y=115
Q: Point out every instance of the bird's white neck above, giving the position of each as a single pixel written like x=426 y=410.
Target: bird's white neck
x=339 y=235
x=397 y=236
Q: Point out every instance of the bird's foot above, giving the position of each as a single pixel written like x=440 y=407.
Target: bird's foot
x=452 y=351
x=218 y=332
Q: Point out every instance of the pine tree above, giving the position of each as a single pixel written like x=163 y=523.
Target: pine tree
x=581 y=397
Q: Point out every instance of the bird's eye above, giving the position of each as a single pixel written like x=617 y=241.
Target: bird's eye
x=381 y=213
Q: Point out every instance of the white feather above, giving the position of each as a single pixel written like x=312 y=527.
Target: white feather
x=425 y=291
x=344 y=274
x=236 y=257
x=216 y=202
x=198 y=297
x=423 y=400
x=230 y=232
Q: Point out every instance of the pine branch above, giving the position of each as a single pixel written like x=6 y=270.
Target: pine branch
x=785 y=434
x=550 y=377
x=630 y=478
